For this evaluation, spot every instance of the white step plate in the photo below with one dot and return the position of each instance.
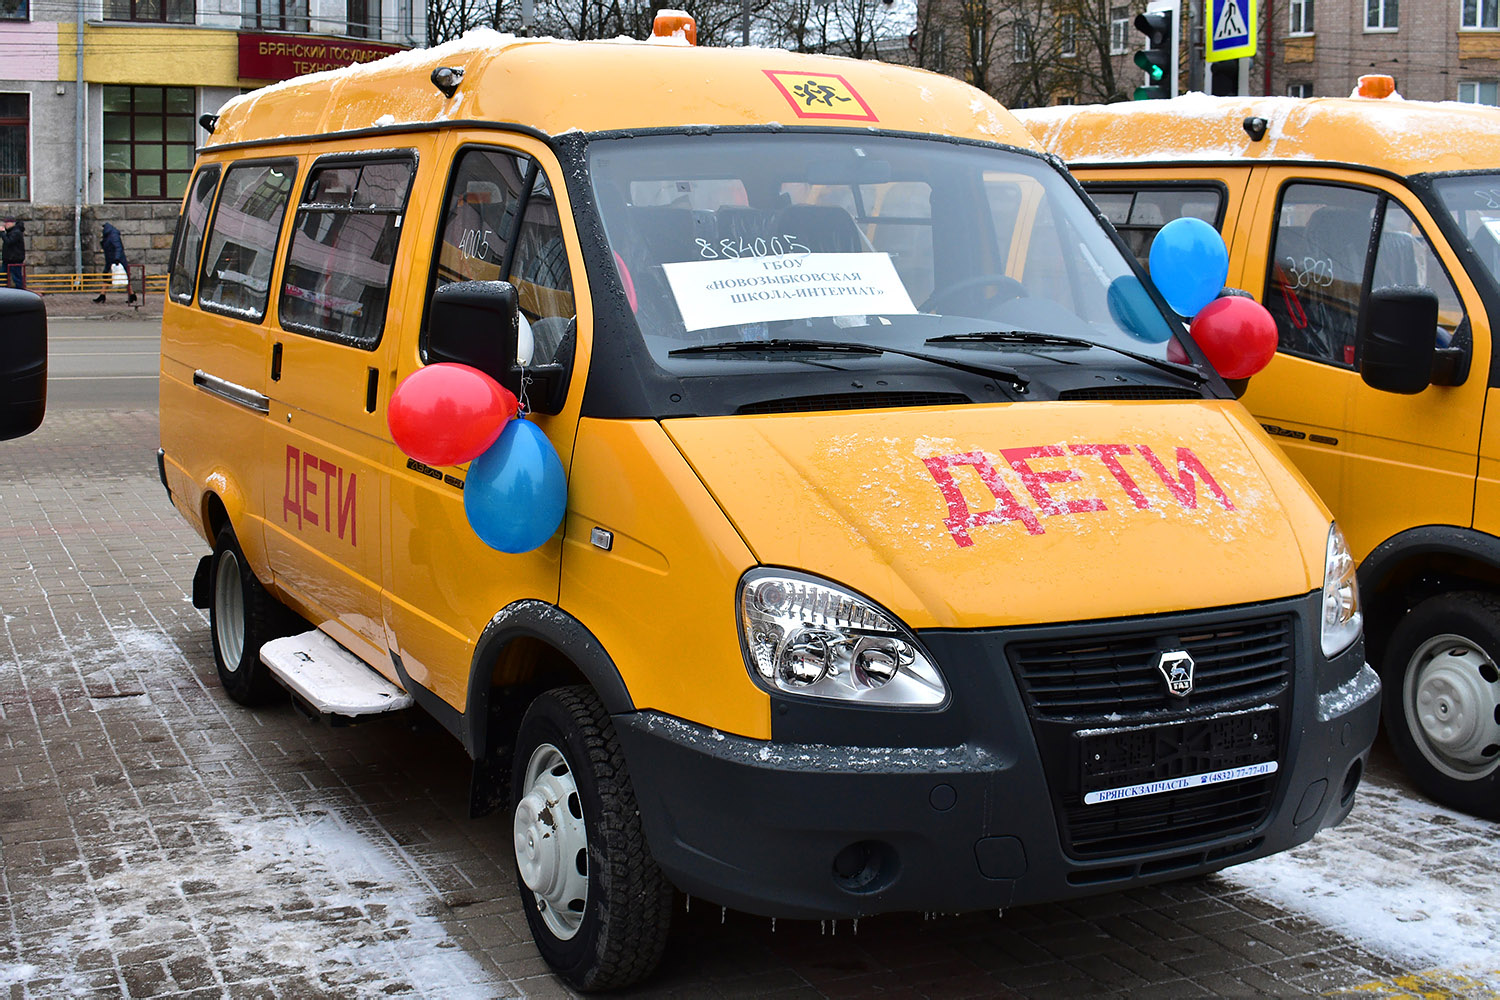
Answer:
(329, 677)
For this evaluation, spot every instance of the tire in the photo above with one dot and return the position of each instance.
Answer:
(1441, 672)
(242, 617)
(599, 908)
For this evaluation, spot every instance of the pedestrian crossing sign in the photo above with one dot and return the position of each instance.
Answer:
(1229, 30)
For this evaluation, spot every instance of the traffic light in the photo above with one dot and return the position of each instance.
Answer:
(1156, 58)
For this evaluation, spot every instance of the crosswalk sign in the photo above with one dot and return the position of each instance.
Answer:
(1229, 30)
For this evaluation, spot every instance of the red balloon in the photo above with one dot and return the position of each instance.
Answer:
(448, 414)
(1237, 334)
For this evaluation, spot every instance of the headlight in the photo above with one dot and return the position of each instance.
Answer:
(809, 637)
(1342, 619)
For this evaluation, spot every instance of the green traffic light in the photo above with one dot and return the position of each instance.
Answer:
(1152, 68)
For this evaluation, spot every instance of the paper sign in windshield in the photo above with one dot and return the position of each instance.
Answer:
(712, 293)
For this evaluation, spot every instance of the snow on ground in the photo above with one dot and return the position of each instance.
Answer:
(1401, 878)
(300, 892)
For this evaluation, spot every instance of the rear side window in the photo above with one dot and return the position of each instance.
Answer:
(236, 278)
(338, 269)
(1138, 213)
(188, 242)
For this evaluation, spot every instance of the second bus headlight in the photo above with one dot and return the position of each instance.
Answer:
(811, 637)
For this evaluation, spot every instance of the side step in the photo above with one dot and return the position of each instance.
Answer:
(330, 680)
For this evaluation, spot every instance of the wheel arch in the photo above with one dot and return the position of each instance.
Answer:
(1415, 564)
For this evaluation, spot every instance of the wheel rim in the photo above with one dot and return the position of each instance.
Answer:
(551, 841)
(1451, 697)
(229, 611)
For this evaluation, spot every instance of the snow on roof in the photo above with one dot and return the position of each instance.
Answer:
(1398, 135)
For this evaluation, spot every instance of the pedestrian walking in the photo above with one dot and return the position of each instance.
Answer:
(114, 261)
(13, 234)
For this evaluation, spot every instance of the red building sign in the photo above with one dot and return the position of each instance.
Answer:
(280, 57)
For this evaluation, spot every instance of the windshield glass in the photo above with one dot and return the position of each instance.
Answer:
(1473, 200)
(886, 241)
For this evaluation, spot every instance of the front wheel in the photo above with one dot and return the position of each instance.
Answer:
(598, 906)
(1442, 699)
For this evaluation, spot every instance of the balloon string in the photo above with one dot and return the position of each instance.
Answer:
(523, 405)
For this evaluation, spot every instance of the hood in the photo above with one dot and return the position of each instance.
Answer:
(1019, 513)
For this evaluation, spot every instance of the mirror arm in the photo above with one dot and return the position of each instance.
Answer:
(1450, 365)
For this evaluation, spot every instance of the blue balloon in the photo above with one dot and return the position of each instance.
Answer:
(1189, 264)
(516, 490)
(1136, 311)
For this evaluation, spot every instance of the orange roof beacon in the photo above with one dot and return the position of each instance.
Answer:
(766, 465)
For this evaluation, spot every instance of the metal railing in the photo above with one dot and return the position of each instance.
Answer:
(93, 282)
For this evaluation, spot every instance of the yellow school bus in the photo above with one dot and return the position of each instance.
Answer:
(1370, 228)
(911, 558)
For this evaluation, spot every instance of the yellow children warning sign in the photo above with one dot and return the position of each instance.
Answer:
(821, 95)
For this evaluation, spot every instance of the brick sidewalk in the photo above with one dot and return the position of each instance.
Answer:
(157, 839)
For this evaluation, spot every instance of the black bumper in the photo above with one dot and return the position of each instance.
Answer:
(824, 827)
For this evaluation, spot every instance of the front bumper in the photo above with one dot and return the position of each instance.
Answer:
(834, 824)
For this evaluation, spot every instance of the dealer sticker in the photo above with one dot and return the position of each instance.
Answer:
(722, 292)
(1178, 784)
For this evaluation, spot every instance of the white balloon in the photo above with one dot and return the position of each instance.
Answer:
(525, 342)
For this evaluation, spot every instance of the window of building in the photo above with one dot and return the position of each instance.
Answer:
(1382, 15)
(1137, 213)
(1023, 47)
(1479, 92)
(1067, 35)
(364, 18)
(15, 147)
(338, 268)
(501, 221)
(170, 11)
(188, 241)
(1302, 17)
(1481, 14)
(279, 15)
(236, 276)
(148, 142)
(1119, 30)
(1299, 90)
(15, 10)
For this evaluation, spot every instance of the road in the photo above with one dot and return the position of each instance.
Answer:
(102, 363)
(158, 840)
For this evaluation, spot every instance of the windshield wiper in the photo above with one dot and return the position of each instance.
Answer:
(1015, 378)
(1045, 339)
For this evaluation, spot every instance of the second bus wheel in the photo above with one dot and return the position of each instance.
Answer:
(1442, 699)
(242, 617)
(598, 906)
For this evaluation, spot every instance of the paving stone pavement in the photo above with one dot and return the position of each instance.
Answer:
(158, 840)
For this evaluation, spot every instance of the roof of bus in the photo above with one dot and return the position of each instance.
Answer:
(558, 86)
(1405, 137)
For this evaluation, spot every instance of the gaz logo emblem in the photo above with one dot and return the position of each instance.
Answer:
(1176, 669)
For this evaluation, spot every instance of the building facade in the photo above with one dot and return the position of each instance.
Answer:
(100, 101)
(1437, 50)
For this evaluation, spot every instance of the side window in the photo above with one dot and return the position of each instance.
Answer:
(189, 239)
(1404, 256)
(1317, 269)
(236, 276)
(539, 270)
(343, 250)
(501, 222)
(1138, 213)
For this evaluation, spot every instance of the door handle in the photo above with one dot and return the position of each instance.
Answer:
(372, 383)
(276, 362)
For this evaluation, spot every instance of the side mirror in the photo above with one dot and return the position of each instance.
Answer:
(477, 323)
(1399, 340)
(23, 362)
